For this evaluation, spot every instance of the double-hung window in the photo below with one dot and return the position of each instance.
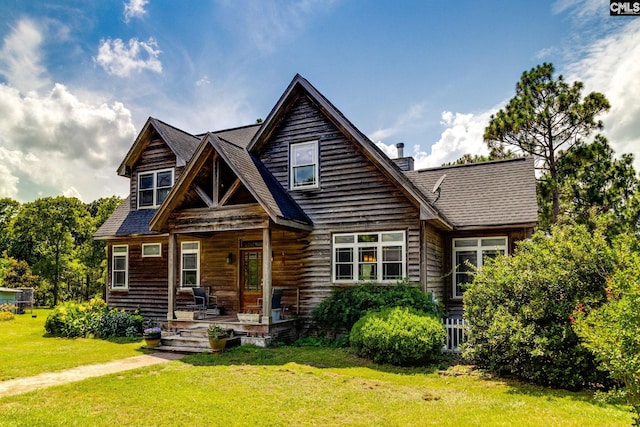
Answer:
(379, 257)
(153, 187)
(303, 165)
(470, 254)
(119, 266)
(190, 265)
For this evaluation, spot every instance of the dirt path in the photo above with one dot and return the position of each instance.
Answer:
(23, 385)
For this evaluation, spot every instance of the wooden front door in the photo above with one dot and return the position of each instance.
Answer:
(250, 278)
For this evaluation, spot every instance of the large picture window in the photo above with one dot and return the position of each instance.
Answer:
(119, 266)
(153, 187)
(471, 253)
(303, 163)
(379, 257)
(190, 265)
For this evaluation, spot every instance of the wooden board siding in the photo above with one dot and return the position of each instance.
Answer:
(155, 156)
(353, 196)
(147, 280)
(435, 255)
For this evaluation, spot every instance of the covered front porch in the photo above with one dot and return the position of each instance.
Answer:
(240, 260)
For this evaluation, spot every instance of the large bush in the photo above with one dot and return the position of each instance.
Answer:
(398, 335)
(347, 305)
(73, 320)
(520, 308)
(612, 331)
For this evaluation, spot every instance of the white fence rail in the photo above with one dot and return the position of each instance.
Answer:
(456, 334)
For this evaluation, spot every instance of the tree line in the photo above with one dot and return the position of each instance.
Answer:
(48, 245)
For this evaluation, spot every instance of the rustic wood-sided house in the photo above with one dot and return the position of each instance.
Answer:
(301, 202)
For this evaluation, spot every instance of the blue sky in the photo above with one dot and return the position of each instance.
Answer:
(78, 79)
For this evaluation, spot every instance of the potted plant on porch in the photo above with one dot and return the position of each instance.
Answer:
(152, 336)
(217, 338)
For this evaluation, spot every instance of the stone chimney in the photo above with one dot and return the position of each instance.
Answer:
(404, 163)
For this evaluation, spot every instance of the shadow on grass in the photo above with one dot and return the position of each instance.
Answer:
(325, 357)
(317, 357)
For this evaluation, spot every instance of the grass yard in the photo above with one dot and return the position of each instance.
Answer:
(271, 387)
(25, 351)
(301, 387)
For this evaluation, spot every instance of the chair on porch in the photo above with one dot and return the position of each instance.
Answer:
(203, 301)
(276, 303)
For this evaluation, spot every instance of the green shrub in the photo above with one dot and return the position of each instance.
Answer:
(612, 331)
(117, 323)
(93, 318)
(347, 305)
(6, 312)
(71, 319)
(520, 308)
(398, 335)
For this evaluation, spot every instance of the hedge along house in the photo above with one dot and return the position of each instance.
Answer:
(302, 202)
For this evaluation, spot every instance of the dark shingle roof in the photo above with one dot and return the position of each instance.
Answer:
(182, 143)
(125, 222)
(498, 193)
(259, 181)
(239, 136)
(111, 226)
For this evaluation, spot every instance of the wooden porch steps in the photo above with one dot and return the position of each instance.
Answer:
(190, 340)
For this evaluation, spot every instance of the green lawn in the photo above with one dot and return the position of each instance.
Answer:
(26, 351)
(296, 387)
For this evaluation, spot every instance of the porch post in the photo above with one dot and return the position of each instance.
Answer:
(266, 276)
(171, 275)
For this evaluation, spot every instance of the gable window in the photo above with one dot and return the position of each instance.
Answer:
(303, 161)
(472, 253)
(190, 265)
(151, 250)
(153, 187)
(379, 257)
(119, 266)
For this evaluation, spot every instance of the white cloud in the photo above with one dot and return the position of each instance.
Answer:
(57, 143)
(611, 66)
(121, 60)
(134, 9)
(463, 134)
(20, 57)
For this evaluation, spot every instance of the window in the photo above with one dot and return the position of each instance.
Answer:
(151, 250)
(119, 266)
(379, 257)
(303, 163)
(153, 187)
(190, 266)
(470, 253)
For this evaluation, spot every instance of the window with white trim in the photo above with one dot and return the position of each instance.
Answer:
(151, 250)
(153, 187)
(303, 165)
(379, 257)
(190, 265)
(470, 254)
(119, 266)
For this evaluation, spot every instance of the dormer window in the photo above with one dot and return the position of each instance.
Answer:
(303, 161)
(153, 187)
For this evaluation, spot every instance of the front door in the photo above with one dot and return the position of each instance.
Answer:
(250, 276)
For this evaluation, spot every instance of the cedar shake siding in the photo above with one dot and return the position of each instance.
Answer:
(353, 196)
